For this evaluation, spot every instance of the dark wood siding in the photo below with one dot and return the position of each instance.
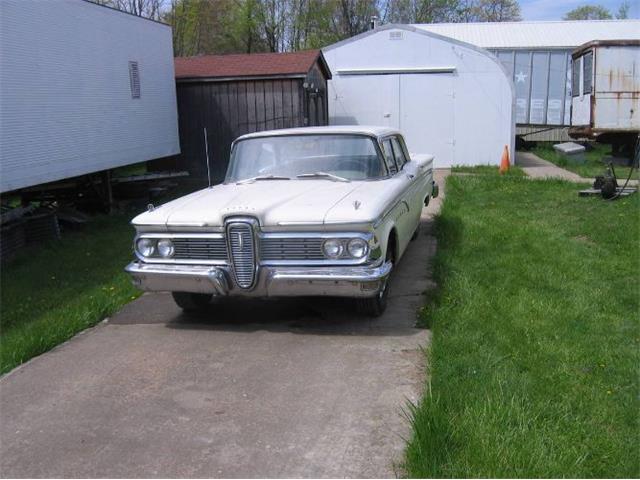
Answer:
(228, 110)
(232, 108)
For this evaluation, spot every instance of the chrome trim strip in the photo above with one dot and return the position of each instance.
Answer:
(180, 235)
(273, 282)
(355, 274)
(339, 235)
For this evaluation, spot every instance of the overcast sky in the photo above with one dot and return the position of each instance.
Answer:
(555, 9)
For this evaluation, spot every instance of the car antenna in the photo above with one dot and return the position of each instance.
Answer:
(206, 151)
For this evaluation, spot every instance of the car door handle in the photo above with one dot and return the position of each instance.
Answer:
(410, 176)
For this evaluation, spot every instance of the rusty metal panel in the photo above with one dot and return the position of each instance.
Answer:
(618, 69)
(609, 97)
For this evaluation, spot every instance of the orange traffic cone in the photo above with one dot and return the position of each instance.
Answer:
(504, 162)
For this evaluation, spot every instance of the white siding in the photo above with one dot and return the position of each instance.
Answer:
(532, 35)
(463, 115)
(66, 107)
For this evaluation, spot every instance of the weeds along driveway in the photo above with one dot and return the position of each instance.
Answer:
(253, 389)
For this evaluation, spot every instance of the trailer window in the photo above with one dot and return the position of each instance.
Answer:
(587, 74)
(575, 77)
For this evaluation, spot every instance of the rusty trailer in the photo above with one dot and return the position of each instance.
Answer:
(605, 105)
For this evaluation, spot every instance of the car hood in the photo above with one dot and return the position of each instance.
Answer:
(273, 203)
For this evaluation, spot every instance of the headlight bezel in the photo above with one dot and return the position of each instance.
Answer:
(162, 244)
(343, 248)
(335, 242)
(355, 243)
(151, 244)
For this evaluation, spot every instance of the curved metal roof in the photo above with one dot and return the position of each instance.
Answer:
(556, 34)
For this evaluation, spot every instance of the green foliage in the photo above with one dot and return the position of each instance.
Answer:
(246, 26)
(588, 12)
(54, 291)
(487, 170)
(534, 362)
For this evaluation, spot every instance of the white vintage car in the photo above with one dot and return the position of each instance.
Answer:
(319, 211)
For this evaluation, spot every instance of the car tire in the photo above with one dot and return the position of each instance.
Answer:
(192, 302)
(375, 306)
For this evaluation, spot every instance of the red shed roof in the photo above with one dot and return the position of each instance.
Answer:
(249, 65)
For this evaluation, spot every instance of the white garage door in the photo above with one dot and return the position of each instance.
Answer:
(421, 106)
(365, 100)
(427, 115)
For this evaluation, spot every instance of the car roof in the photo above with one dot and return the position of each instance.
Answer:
(372, 131)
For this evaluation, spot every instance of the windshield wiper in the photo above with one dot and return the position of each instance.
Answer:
(262, 177)
(328, 176)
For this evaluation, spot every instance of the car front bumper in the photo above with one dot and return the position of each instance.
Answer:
(348, 281)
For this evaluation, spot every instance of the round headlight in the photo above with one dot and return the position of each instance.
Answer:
(146, 246)
(357, 247)
(332, 248)
(165, 248)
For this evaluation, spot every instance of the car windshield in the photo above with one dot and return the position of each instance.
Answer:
(326, 157)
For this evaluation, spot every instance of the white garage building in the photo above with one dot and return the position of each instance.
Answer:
(449, 98)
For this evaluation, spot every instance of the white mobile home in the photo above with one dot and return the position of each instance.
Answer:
(83, 88)
(449, 98)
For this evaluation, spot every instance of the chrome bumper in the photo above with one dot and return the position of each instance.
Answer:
(348, 281)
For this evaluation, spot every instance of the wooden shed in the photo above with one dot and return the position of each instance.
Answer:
(232, 95)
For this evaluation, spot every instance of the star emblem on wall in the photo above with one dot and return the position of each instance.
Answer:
(521, 76)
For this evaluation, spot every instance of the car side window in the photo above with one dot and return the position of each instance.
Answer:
(388, 157)
(401, 158)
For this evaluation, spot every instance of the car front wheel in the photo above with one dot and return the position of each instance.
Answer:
(375, 306)
(192, 302)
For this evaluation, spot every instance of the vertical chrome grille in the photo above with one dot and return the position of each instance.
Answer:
(242, 253)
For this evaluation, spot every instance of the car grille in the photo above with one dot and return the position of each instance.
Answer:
(291, 249)
(200, 249)
(242, 253)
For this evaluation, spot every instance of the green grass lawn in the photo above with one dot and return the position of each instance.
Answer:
(593, 165)
(534, 362)
(487, 169)
(56, 290)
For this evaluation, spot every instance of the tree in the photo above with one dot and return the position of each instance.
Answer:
(422, 11)
(623, 10)
(152, 9)
(588, 12)
(496, 11)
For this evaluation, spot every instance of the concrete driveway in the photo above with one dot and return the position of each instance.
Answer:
(287, 388)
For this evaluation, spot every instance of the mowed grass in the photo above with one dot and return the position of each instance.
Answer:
(592, 166)
(53, 291)
(487, 169)
(534, 361)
